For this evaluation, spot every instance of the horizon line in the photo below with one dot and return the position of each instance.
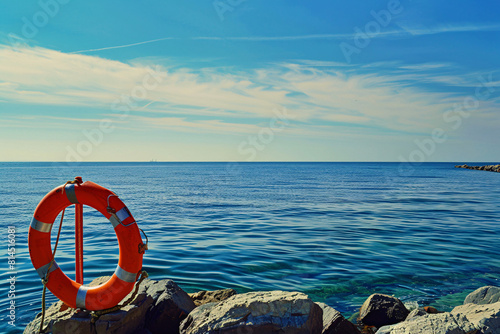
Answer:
(246, 162)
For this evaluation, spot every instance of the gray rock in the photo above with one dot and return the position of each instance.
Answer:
(204, 297)
(171, 306)
(441, 323)
(485, 318)
(485, 295)
(386, 329)
(381, 310)
(335, 323)
(196, 318)
(257, 313)
(158, 308)
(464, 319)
(415, 313)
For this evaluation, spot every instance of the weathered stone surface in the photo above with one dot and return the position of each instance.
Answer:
(415, 313)
(485, 295)
(257, 313)
(386, 329)
(204, 297)
(335, 323)
(196, 318)
(381, 310)
(464, 319)
(158, 308)
(442, 323)
(171, 306)
(484, 317)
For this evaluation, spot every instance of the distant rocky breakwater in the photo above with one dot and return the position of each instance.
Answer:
(489, 168)
(163, 307)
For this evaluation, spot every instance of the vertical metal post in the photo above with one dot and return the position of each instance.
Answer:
(79, 243)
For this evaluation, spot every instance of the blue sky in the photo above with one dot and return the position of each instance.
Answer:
(252, 80)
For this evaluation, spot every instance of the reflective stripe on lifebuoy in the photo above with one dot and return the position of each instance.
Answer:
(129, 242)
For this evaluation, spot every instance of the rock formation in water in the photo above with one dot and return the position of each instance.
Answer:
(489, 168)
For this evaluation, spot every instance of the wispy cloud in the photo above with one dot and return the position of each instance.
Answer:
(214, 126)
(125, 45)
(274, 38)
(219, 38)
(218, 100)
(426, 66)
(56, 118)
(444, 29)
(404, 32)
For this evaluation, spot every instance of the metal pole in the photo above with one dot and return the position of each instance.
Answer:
(79, 243)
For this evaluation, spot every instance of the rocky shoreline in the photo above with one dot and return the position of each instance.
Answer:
(489, 168)
(163, 307)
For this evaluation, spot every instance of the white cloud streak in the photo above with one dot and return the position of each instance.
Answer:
(125, 45)
(323, 98)
(404, 32)
(449, 29)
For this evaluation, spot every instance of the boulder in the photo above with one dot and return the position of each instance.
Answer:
(464, 319)
(171, 306)
(381, 310)
(485, 295)
(485, 318)
(158, 307)
(204, 297)
(258, 313)
(415, 313)
(441, 323)
(335, 323)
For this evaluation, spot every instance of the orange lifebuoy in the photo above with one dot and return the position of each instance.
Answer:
(130, 245)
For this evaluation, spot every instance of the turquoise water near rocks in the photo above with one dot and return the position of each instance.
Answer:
(336, 231)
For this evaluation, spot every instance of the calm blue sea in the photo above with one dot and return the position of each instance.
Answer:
(336, 231)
